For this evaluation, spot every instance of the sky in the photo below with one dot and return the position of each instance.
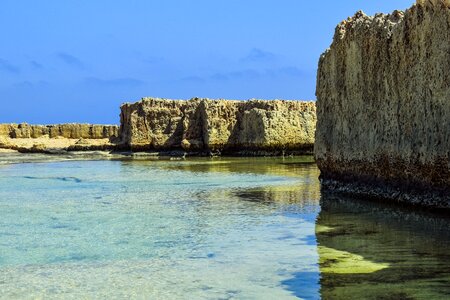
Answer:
(78, 60)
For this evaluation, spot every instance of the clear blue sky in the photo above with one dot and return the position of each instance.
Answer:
(77, 61)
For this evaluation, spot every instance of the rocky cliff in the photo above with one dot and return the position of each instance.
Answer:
(253, 127)
(383, 105)
(47, 138)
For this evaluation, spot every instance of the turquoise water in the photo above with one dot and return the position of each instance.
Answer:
(206, 229)
(210, 229)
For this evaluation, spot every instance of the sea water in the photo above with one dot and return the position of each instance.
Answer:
(206, 229)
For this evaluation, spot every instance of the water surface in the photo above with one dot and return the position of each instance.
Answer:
(207, 229)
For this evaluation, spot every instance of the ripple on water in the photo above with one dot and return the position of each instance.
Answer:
(210, 229)
(157, 229)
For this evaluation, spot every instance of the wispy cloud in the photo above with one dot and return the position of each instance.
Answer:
(248, 74)
(193, 79)
(6, 66)
(70, 60)
(152, 60)
(259, 55)
(23, 84)
(35, 65)
(285, 71)
(122, 82)
(240, 74)
(29, 84)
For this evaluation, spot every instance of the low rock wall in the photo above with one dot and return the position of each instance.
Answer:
(69, 131)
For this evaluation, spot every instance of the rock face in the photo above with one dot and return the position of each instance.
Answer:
(383, 105)
(70, 131)
(253, 127)
(46, 138)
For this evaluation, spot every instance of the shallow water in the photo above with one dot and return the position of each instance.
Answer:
(207, 229)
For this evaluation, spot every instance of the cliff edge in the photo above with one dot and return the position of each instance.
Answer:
(383, 106)
(254, 127)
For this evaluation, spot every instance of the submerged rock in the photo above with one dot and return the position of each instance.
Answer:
(251, 127)
(383, 105)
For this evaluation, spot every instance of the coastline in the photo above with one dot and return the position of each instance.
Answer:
(66, 146)
(15, 157)
(194, 127)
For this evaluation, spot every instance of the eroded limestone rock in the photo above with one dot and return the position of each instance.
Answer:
(227, 126)
(70, 131)
(48, 138)
(383, 105)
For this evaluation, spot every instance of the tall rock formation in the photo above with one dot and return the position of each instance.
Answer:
(254, 127)
(383, 105)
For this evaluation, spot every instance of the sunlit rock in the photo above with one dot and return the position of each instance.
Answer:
(226, 126)
(44, 138)
(383, 105)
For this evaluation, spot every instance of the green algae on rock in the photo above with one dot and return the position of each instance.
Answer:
(383, 105)
(343, 262)
(254, 127)
(391, 252)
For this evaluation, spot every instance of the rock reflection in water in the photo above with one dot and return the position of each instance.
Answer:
(305, 191)
(374, 251)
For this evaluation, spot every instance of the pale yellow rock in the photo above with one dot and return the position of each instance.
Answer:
(7, 151)
(41, 138)
(45, 143)
(218, 125)
(74, 130)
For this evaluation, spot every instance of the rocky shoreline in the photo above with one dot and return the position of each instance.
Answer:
(180, 128)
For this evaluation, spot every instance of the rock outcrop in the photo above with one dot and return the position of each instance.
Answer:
(253, 127)
(69, 131)
(383, 105)
(51, 138)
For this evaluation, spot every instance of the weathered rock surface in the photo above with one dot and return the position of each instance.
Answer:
(70, 131)
(383, 105)
(48, 138)
(253, 127)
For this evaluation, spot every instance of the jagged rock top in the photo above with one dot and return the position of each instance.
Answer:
(360, 23)
(157, 99)
(151, 102)
(218, 125)
(383, 24)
